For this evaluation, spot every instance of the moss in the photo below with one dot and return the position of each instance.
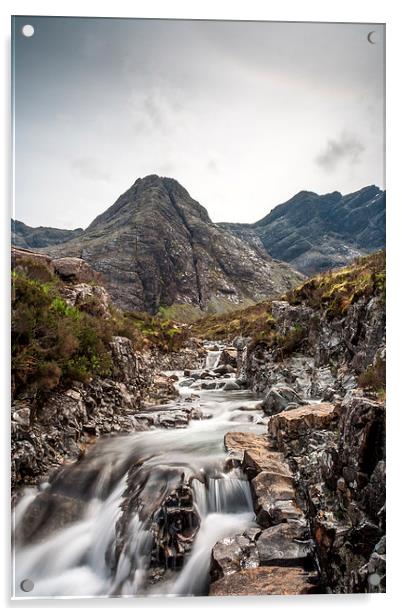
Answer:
(374, 377)
(333, 292)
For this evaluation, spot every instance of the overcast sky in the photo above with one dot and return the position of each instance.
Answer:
(244, 115)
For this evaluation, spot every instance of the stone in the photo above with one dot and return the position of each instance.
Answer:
(232, 554)
(295, 423)
(274, 498)
(362, 437)
(73, 269)
(280, 398)
(286, 545)
(253, 448)
(265, 581)
(231, 386)
(22, 416)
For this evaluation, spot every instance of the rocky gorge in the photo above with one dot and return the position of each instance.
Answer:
(250, 459)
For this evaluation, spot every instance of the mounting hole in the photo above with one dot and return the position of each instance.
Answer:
(27, 585)
(28, 30)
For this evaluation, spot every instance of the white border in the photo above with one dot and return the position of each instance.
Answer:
(380, 11)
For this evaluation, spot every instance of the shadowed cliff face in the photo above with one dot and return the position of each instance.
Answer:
(156, 247)
(316, 232)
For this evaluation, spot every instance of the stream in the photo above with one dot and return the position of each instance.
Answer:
(141, 512)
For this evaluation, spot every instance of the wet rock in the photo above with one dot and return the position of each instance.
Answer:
(232, 554)
(187, 382)
(280, 398)
(286, 545)
(46, 514)
(265, 581)
(231, 386)
(208, 385)
(228, 358)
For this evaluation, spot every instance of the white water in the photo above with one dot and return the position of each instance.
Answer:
(73, 561)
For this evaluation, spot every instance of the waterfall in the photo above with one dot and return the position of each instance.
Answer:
(212, 359)
(148, 508)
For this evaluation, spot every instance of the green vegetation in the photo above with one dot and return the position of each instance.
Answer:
(374, 377)
(330, 294)
(55, 343)
(334, 291)
(52, 341)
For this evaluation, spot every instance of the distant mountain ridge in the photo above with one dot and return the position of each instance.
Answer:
(157, 247)
(315, 232)
(24, 236)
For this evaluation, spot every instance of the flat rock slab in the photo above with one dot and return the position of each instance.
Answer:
(284, 545)
(264, 581)
(257, 457)
(292, 424)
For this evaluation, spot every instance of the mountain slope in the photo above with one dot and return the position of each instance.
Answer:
(316, 232)
(156, 247)
(24, 236)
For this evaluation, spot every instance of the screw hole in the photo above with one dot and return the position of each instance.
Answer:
(28, 30)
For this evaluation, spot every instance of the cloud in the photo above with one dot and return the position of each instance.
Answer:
(90, 168)
(348, 148)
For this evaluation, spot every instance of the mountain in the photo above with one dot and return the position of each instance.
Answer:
(317, 232)
(39, 237)
(157, 247)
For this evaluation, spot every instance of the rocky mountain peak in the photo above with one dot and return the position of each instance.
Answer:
(156, 246)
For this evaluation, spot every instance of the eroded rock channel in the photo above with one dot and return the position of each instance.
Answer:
(215, 495)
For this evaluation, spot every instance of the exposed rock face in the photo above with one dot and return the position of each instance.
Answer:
(330, 357)
(156, 246)
(39, 237)
(338, 455)
(320, 470)
(286, 542)
(68, 420)
(349, 226)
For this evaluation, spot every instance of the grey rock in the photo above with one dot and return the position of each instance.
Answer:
(280, 398)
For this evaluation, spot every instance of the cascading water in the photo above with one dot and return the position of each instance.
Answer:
(212, 359)
(140, 513)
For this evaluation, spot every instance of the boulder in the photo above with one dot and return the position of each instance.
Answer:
(362, 438)
(274, 498)
(286, 545)
(253, 449)
(299, 422)
(73, 269)
(231, 386)
(280, 398)
(232, 554)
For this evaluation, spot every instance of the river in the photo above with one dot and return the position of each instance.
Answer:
(151, 505)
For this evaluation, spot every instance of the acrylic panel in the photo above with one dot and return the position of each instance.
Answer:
(198, 308)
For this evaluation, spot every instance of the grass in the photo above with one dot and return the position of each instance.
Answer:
(330, 294)
(334, 291)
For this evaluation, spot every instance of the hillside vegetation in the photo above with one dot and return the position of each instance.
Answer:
(54, 342)
(330, 293)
